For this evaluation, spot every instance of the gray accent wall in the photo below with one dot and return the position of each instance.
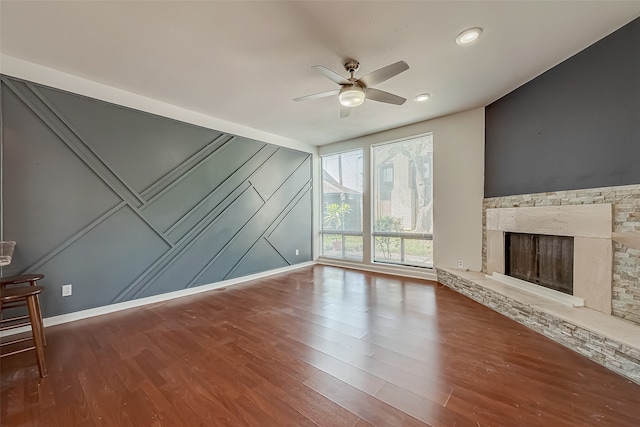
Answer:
(576, 126)
(124, 204)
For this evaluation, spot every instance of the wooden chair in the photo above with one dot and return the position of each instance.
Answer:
(28, 294)
(18, 321)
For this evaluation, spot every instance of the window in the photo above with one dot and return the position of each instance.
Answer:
(403, 213)
(342, 205)
(386, 181)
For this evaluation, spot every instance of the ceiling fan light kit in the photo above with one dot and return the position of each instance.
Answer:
(353, 91)
(351, 96)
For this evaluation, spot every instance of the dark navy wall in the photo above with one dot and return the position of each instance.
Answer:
(124, 204)
(575, 126)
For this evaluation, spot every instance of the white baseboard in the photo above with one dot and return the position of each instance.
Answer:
(98, 311)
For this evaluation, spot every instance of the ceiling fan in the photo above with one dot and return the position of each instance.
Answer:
(353, 92)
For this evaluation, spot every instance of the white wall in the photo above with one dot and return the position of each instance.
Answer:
(458, 175)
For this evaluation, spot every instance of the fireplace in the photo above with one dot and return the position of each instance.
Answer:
(540, 259)
(588, 226)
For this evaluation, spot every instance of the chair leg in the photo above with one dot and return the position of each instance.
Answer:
(38, 333)
(35, 283)
(44, 338)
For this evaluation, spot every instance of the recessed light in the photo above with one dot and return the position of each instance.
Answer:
(469, 36)
(422, 97)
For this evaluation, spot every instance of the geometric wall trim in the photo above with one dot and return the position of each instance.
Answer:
(125, 204)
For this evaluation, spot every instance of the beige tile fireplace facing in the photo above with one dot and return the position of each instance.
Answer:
(625, 199)
(590, 226)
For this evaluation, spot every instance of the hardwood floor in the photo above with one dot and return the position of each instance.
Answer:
(319, 346)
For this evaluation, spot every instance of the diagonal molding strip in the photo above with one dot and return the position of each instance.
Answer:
(184, 175)
(279, 215)
(146, 279)
(42, 261)
(72, 138)
(84, 153)
(183, 168)
(261, 153)
(270, 244)
(304, 191)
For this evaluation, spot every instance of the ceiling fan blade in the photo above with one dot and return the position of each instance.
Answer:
(331, 75)
(318, 95)
(384, 73)
(344, 111)
(382, 96)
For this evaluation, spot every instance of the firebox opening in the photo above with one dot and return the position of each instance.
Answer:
(544, 260)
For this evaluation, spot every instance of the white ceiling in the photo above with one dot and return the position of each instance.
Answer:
(245, 61)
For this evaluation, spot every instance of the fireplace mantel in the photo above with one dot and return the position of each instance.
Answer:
(590, 226)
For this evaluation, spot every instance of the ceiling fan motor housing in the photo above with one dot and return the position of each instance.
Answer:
(351, 66)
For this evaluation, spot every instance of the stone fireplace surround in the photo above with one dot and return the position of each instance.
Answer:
(589, 225)
(609, 331)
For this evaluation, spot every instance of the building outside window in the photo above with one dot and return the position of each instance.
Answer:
(342, 183)
(403, 202)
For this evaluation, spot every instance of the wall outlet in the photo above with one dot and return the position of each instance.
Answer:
(297, 251)
(460, 263)
(66, 290)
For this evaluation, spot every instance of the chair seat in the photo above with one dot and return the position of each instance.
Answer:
(15, 294)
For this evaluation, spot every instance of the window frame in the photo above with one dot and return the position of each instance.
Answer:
(372, 204)
(366, 144)
(323, 203)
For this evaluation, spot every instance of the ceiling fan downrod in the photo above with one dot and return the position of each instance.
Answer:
(351, 66)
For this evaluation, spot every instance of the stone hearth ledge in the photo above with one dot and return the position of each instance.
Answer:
(613, 343)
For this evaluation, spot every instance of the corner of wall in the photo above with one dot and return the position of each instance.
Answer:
(458, 145)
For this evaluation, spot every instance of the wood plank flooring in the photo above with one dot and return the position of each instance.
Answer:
(320, 346)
